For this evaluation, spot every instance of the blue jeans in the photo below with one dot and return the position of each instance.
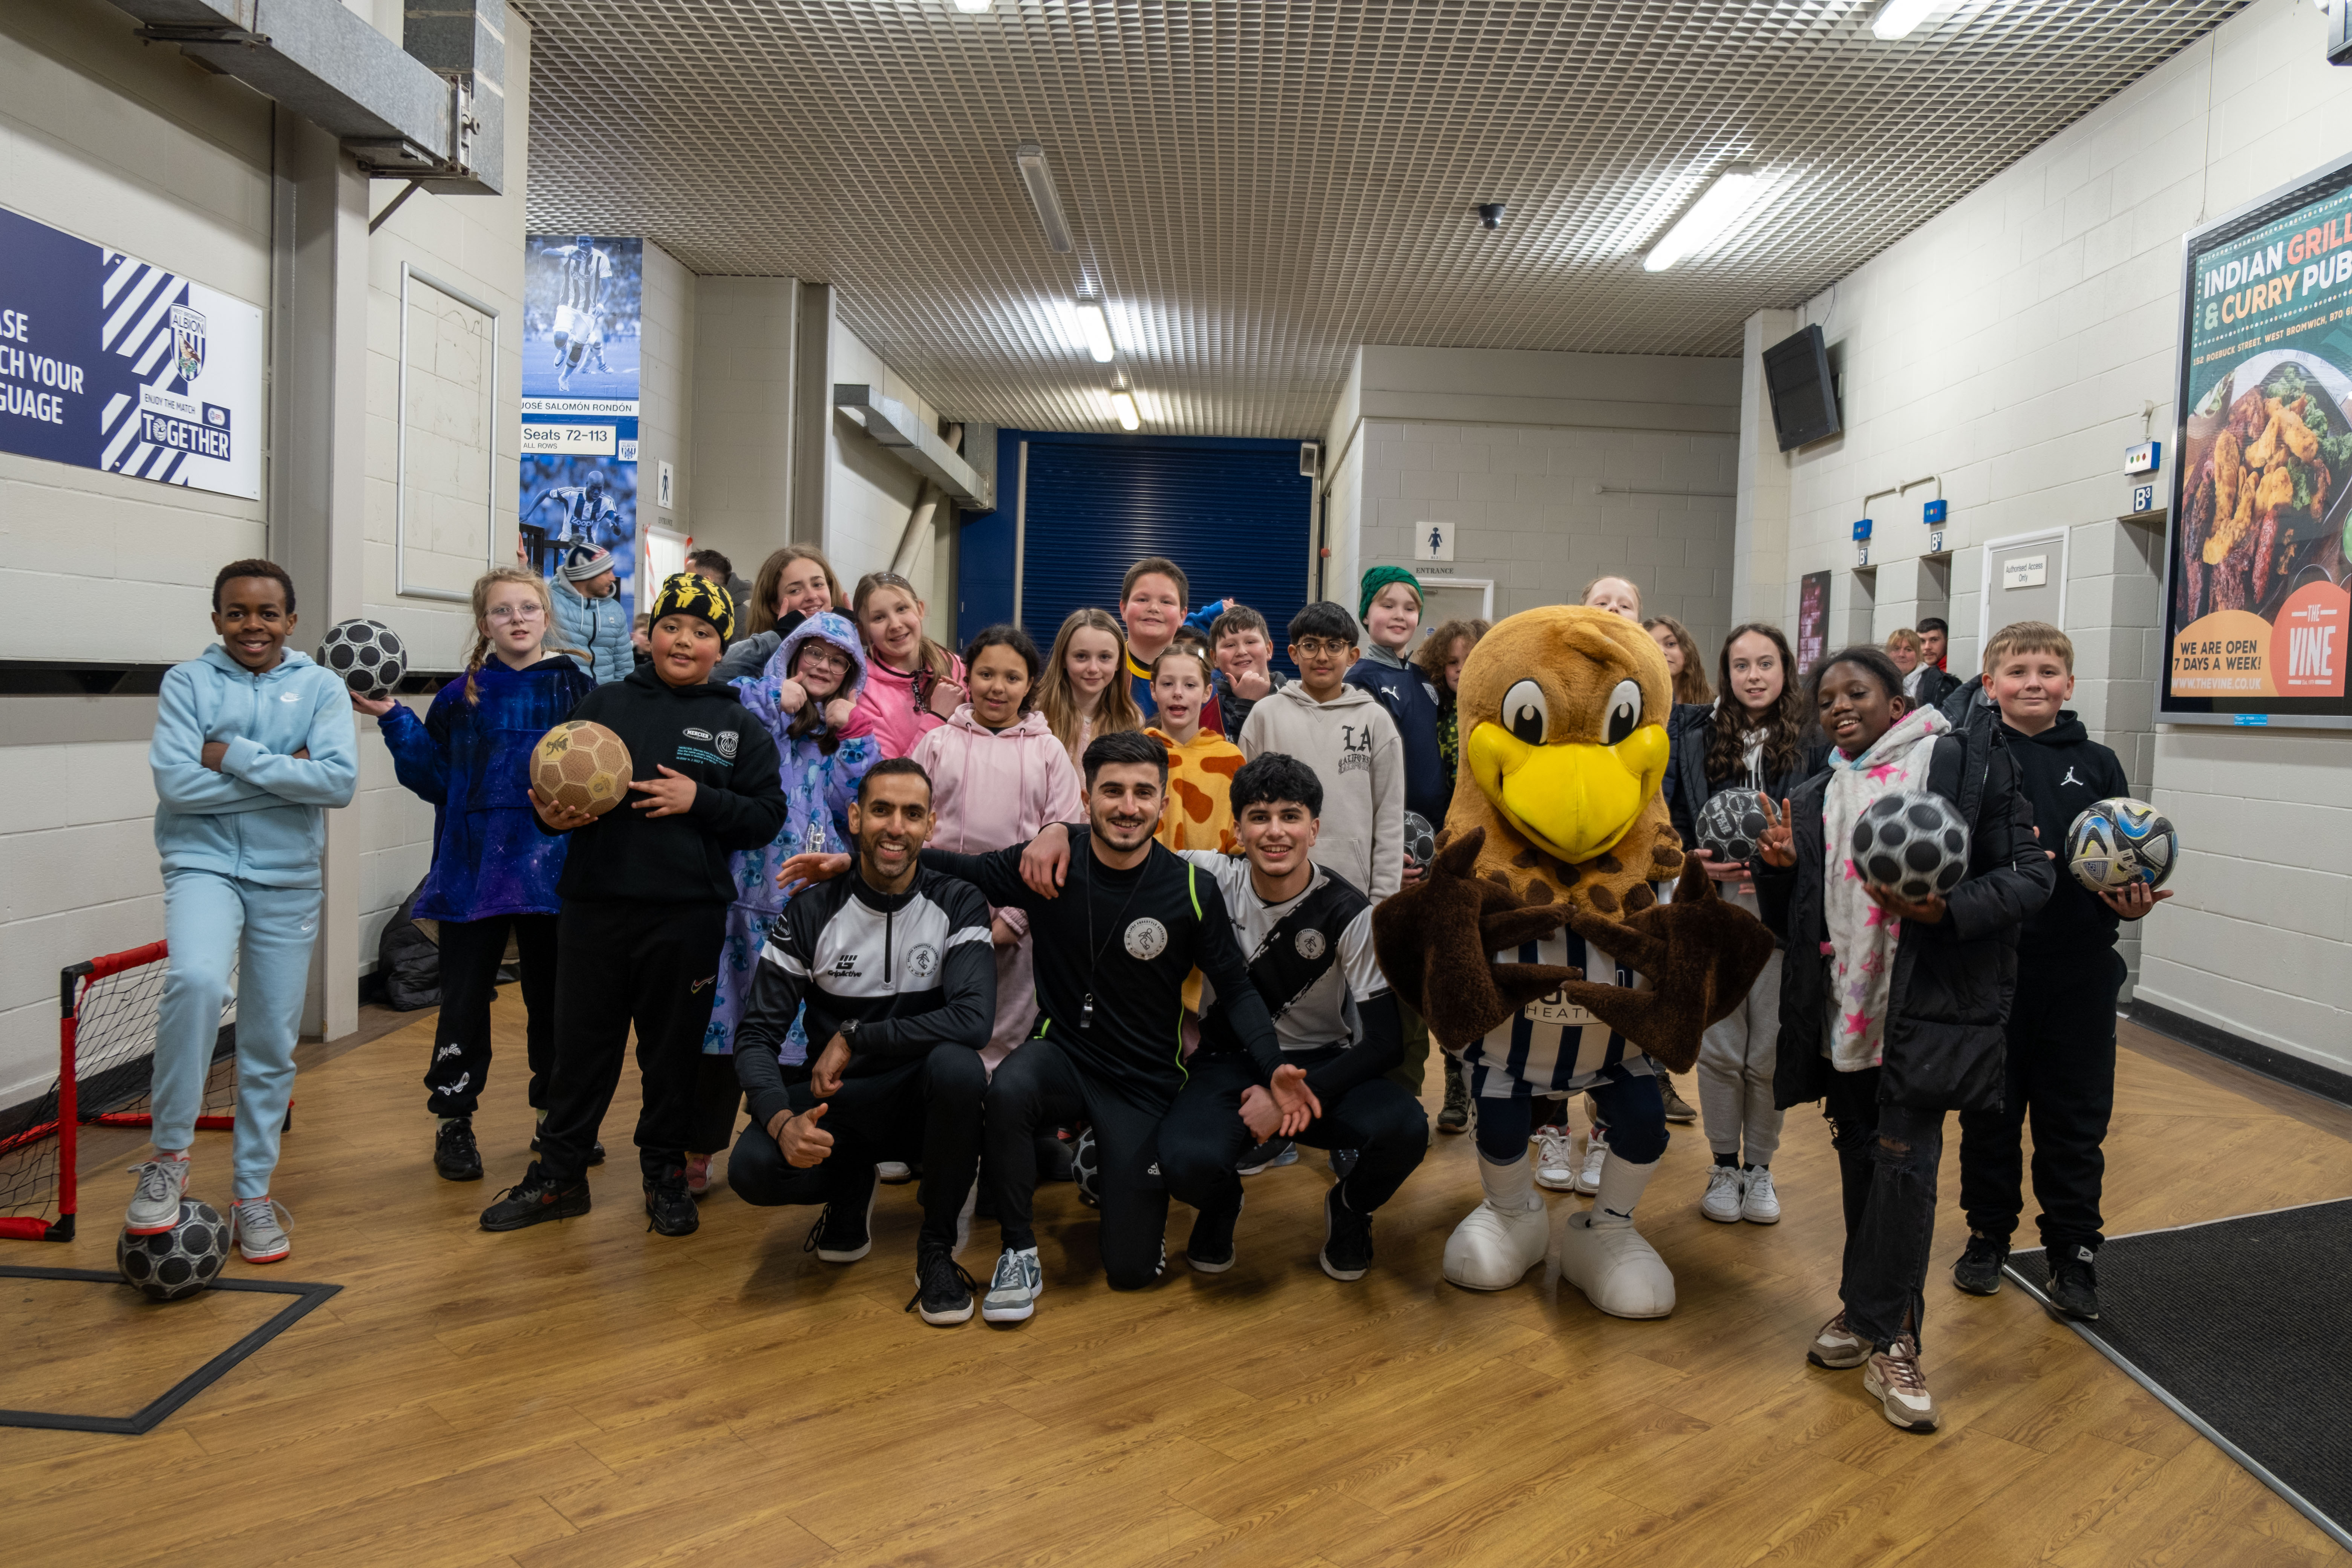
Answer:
(211, 923)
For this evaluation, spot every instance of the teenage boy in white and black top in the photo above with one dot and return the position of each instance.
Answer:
(1114, 946)
(1308, 935)
(894, 966)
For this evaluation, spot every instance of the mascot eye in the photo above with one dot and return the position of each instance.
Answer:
(1624, 710)
(1525, 713)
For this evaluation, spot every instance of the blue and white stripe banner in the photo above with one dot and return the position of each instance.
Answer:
(108, 362)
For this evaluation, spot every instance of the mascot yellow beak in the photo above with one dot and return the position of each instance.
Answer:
(1573, 799)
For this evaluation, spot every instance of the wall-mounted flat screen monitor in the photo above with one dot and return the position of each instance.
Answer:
(1804, 398)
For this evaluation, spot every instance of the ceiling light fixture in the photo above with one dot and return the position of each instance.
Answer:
(1123, 404)
(972, 7)
(1896, 18)
(1094, 327)
(1029, 160)
(1490, 215)
(1721, 205)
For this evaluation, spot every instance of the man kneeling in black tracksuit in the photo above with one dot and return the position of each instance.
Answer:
(1308, 937)
(894, 964)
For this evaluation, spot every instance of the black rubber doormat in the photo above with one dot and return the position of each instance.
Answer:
(2242, 1326)
(306, 1299)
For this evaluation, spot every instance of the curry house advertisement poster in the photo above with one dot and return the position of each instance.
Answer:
(2257, 584)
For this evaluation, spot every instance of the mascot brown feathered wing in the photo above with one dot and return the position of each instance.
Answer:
(1538, 944)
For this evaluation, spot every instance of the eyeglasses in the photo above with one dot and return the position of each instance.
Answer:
(505, 613)
(825, 658)
(1317, 647)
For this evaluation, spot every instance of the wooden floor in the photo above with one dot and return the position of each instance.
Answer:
(590, 1393)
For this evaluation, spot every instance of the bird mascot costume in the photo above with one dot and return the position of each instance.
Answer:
(1562, 943)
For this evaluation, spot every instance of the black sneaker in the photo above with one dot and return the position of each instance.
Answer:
(2075, 1284)
(1267, 1156)
(455, 1153)
(1456, 1117)
(537, 1196)
(1211, 1248)
(670, 1207)
(1346, 1236)
(943, 1290)
(844, 1232)
(1978, 1270)
(596, 1150)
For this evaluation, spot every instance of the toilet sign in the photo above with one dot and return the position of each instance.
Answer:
(1433, 541)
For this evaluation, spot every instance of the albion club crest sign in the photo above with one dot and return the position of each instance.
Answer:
(108, 362)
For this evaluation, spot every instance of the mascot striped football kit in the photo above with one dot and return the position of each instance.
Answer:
(1545, 945)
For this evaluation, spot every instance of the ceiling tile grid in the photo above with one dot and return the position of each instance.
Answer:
(1257, 188)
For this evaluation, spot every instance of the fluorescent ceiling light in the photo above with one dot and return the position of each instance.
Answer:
(1123, 404)
(972, 7)
(1029, 160)
(1898, 18)
(1094, 327)
(1720, 206)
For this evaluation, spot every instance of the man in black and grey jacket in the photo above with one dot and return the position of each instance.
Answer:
(894, 966)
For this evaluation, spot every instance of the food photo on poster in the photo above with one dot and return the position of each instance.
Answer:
(2258, 584)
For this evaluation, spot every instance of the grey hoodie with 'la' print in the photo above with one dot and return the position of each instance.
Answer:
(1352, 744)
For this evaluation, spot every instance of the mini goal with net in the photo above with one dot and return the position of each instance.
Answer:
(106, 1063)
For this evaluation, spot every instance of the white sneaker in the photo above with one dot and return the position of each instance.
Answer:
(156, 1204)
(259, 1226)
(1762, 1204)
(1013, 1293)
(1556, 1159)
(1596, 1150)
(894, 1173)
(1723, 1193)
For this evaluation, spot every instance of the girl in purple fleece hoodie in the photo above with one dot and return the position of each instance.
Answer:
(998, 775)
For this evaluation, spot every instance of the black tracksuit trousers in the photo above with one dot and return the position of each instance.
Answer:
(471, 952)
(1040, 1086)
(2061, 1077)
(655, 966)
(1203, 1136)
(925, 1110)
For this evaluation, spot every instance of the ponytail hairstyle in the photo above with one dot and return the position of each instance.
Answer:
(763, 608)
(1115, 713)
(1785, 724)
(1023, 646)
(937, 664)
(551, 643)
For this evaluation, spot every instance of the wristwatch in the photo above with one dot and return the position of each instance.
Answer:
(847, 1029)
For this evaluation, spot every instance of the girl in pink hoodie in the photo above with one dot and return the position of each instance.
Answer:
(912, 684)
(997, 776)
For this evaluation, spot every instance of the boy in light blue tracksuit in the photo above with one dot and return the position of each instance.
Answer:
(252, 742)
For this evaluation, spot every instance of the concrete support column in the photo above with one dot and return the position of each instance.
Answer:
(812, 416)
(1759, 558)
(746, 457)
(317, 453)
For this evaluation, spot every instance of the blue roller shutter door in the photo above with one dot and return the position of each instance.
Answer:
(1236, 519)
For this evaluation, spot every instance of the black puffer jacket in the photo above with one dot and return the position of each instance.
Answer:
(1686, 788)
(1953, 980)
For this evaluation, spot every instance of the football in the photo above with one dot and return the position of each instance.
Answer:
(1419, 840)
(583, 765)
(366, 655)
(177, 1262)
(1730, 824)
(2117, 842)
(1911, 845)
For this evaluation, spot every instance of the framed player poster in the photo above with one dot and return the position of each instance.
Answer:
(583, 302)
(1812, 620)
(2257, 584)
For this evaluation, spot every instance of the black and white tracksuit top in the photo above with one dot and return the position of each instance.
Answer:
(914, 970)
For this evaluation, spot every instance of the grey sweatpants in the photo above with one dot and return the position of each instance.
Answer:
(1735, 1074)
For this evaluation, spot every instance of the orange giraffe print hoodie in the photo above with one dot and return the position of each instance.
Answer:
(1200, 810)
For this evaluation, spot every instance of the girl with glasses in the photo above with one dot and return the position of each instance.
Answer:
(493, 873)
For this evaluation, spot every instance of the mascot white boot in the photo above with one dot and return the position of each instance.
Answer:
(1603, 1256)
(1502, 1238)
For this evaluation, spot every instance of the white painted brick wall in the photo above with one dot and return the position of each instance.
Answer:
(2009, 345)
